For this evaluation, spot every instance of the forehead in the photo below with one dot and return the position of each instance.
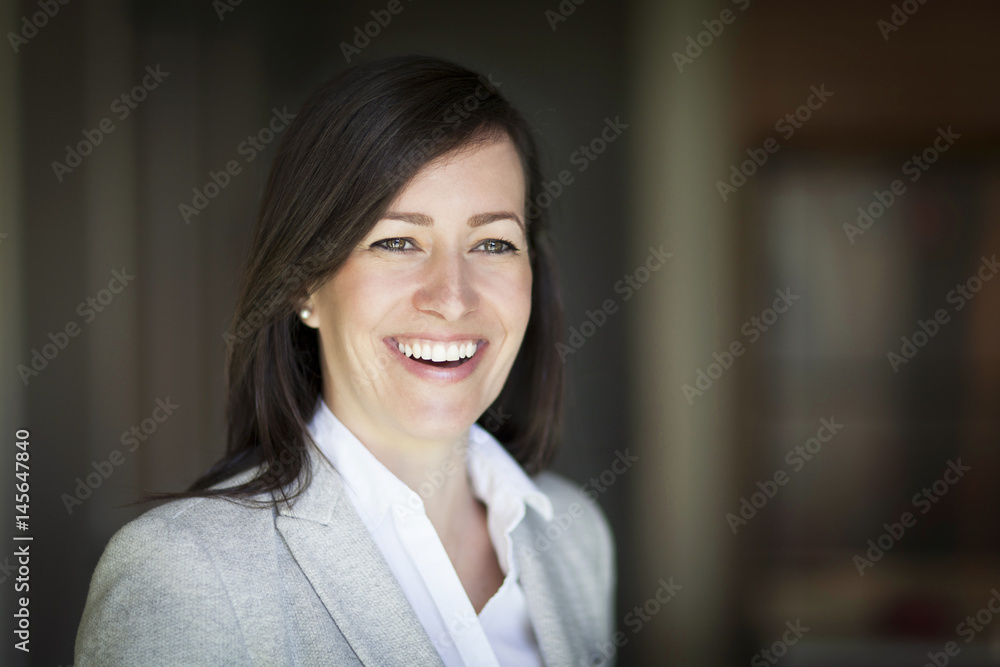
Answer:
(492, 169)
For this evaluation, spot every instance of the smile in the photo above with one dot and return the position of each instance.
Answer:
(437, 352)
(440, 360)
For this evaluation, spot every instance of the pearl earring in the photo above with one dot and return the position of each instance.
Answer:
(305, 313)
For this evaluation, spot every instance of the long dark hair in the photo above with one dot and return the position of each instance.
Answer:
(348, 152)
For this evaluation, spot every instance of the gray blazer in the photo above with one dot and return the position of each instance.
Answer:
(215, 582)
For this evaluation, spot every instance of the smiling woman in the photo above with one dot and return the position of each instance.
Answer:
(446, 267)
(371, 507)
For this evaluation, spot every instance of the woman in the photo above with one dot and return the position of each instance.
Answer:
(394, 398)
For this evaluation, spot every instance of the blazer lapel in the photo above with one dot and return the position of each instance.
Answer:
(543, 598)
(349, 574)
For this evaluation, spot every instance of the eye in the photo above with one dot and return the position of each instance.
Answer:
(392, 245)
(498, 246)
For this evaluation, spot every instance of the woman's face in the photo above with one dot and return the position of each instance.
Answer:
(445, 273)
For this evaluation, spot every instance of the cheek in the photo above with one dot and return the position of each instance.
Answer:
(526, 296)
(516, 297)
(353, 299)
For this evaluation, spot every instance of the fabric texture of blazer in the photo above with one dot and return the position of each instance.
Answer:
(209, 581)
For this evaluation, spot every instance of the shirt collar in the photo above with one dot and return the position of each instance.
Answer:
(496, 477)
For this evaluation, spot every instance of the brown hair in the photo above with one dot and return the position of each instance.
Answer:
(348, 152)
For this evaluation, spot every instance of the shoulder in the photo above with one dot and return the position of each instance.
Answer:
(578, 522)
(161, 586)
(156, 576)
(577, 550)
(175, 532)
(569, 499)
(189, 529)
(205, 520)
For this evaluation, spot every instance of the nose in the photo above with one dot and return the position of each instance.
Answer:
(446, 288)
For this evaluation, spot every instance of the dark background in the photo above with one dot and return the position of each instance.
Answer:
(826, 358)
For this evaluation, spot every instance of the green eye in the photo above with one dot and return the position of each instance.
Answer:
(498, 246)
(392, 245)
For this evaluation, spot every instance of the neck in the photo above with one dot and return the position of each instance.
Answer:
(439, 476)
(434, 470)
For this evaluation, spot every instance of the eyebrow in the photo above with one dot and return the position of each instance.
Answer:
(477, 220)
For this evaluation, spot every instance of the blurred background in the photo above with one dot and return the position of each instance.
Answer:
(810, 381)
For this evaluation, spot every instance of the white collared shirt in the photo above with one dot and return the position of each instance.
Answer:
(501, 634)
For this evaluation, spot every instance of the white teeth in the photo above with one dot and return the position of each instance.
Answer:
(438, 352)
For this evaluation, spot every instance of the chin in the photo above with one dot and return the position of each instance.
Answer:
(433, 424)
